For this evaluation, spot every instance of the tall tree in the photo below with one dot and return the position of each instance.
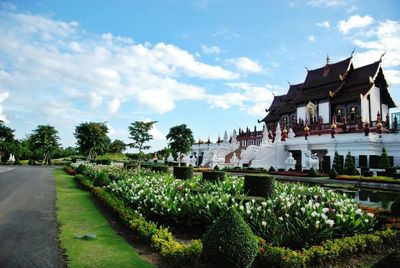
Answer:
(45, 139)
(92, 138)
(181, 140)
(7, 142)
(117, 147)
(140, 135)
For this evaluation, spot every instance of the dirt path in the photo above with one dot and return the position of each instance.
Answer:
(28, 227)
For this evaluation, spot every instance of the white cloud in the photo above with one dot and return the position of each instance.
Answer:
(354, 22)
(114, 106)
(327, 3)
(311, 38)
(324, 24)
(3, 96)
(393, 76)
(94, 100)
(246, 65)
(211, 50)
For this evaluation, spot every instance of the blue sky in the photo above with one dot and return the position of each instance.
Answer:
(213, 65)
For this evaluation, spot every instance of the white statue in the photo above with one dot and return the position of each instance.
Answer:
(193, 161)
(234, 160)
(170, 158)
(311, 161)
(291, 133)
(11, 158)
(290, 162)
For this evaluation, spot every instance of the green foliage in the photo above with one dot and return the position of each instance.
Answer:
(333, 173)
(101, 179)
(349, 167)
(213, 176)
(181, 140)
(337, 163)
(117, 147)
(159, 168)
(45, 139)
(312, 172)
(8, 144)
(140, 135)
(395, 208)
(271, 169)
(230, 242)
(80, 169)
(390, 260)
(384, 161)
(216, 168)
(259, 185)
(183, 173)
(92, 138)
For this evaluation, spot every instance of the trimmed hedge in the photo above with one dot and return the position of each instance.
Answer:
(329, 252)
(160, 168)
(312, 173)
(259, 185)
(183, 173)
(230, 242)
(213, 176)
(362, 161)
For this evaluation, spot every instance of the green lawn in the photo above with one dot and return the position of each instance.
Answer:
(77, 215)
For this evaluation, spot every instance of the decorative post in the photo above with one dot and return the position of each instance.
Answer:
(379, 126)
(387, 121)
(344, 123)
(306, 131)
(366, 128)
(284, 133)
(333, 127)
(395, 124)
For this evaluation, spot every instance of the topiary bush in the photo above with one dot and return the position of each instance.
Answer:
(349, 167)
(333, 173)
(213, 175)
(160, 168)
(312, 172)
(384, 161)
(271, 169)
(106, 162)
(80, 169)
(395, 208)
(216, 168)
(101, 179)
(259, 185)
(338, 163)
(230, 242)
(183, 173)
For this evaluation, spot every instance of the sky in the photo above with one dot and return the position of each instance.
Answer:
(212, 65)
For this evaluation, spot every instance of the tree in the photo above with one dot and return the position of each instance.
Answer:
(384, 162)
(45, 139)
(140, 135)
(181, 140)
(337, 163)
(117, 147)
(92, 138)
(7, 142)
(349, 167)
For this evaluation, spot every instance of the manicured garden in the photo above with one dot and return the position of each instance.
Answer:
(291, 226)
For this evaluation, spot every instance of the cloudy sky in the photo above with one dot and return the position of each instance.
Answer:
(213, 65)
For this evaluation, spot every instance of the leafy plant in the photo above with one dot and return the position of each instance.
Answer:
(312, 172)
(349, 167)
(384, 161)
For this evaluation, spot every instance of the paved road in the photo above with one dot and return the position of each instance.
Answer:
(28, 227)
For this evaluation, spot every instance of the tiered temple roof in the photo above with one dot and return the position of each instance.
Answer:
(339, 82)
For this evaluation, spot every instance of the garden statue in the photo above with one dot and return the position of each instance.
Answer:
(311, 160)
(234, 160)
(170, 158)
(193, 161)
(291, 133)
(290, 162)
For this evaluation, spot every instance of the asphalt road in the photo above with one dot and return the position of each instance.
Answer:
(28, 227)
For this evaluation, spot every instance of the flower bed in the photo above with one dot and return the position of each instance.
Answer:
(379, 179)
(176, 254)
(298, 216)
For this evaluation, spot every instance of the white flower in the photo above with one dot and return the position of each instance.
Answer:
(370, 215)
(264, 204)
(325, 210)
(366, 220)
(264, 223)
(248, 212)
(303, 210)
(280, 218)
(314, 214)
(241, 207)
(330, 222)
(259, 208)
(358, 211)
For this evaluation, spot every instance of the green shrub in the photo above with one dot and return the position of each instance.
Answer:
(31, 162)
(183, 173)
(271, 169)
(349, 167)
(216, 168)
(395, 208)
(230, 242)
(390, 260)
(160, 168)
(213, 176)
(101, 179)
(338, 163)
(390, 171)
(384, 161)
(333, 173)
(259, 185)
(105, 162)
(80, 169)
(312, 173)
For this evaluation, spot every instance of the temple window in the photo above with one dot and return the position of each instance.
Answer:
(353, 110)
(338, 115)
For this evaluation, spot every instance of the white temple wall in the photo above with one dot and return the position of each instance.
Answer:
(364, 109)
(385, 110)
(323, 109)
(375, 98)
(301, 112)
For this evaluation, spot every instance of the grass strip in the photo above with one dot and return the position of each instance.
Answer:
(77, 215)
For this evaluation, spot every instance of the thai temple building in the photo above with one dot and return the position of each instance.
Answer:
(337, 108)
